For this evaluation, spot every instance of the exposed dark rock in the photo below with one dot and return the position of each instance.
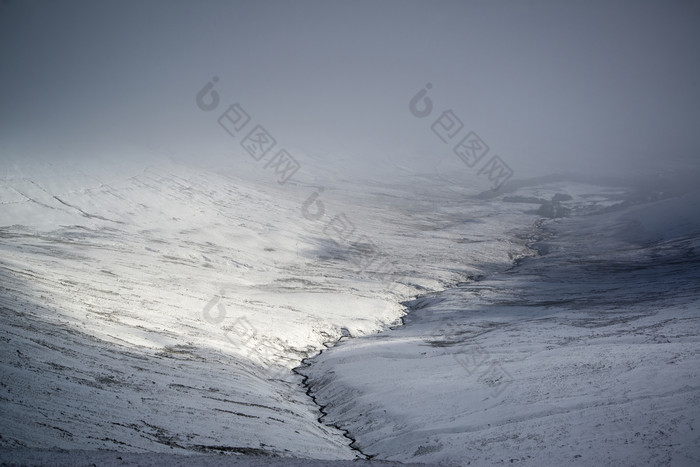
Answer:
(553, 210)
(561, 197)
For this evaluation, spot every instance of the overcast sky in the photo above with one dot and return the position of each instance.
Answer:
(544, 83)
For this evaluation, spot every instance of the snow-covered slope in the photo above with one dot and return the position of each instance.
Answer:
(153, 306)
(587, 355)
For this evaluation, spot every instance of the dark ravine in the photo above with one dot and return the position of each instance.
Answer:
(322, 408)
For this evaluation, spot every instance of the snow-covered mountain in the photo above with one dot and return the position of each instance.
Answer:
(154, 306)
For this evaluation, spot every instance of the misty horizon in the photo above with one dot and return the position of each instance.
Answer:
(550, 86)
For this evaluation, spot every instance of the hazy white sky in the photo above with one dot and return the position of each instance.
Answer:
(545, 83)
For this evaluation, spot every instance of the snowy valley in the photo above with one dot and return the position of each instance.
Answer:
(167, 308)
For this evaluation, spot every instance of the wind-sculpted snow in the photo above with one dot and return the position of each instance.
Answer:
(586, 355)
(161, 308)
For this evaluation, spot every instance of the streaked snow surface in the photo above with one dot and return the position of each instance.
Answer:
(158, 307)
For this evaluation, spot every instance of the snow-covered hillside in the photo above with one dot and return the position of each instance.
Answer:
(158, 307)
(586, 355)
(153, 306)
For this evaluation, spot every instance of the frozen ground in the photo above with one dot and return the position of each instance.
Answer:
(158, 308)
(587, 355)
